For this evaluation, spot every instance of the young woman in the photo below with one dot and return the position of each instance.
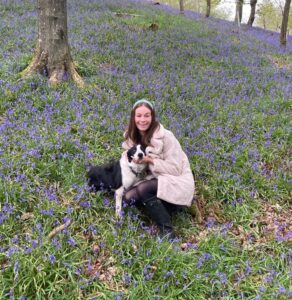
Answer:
(172, 182)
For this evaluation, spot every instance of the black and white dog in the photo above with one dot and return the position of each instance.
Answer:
(119, 175)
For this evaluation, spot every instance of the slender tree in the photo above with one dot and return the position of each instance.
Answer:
(267, 15)
(253, 4)
(208, 8)
(181, 7)
(52, 56)
(238, 12)
(283, 34)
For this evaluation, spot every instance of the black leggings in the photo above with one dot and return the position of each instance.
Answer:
(141, 192)
(146, 190)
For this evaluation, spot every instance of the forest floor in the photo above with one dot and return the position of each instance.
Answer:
(226, 94)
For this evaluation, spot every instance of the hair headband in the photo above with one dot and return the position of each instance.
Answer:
(143, 101)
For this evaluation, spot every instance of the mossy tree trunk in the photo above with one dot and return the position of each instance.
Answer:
(284, 26)
(253, 4)
(52, 56)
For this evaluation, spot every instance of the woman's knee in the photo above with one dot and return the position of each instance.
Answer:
(147, 189)
(131, 196)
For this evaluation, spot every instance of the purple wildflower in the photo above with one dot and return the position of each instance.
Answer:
(52, 259)
(71, 241)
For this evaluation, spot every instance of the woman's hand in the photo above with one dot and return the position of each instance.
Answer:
(145, 160)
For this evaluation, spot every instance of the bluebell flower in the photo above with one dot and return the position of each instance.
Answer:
(71, 241)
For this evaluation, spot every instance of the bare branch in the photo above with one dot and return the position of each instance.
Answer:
(58, 229)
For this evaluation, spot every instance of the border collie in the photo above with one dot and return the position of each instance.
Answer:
(119, 175)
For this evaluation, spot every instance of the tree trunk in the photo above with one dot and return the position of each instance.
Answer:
(52, 56)
(181, 7)
(238, 13)
(283, 35)
(253, 4)
(208, 9)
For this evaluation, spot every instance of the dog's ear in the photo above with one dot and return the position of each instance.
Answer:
(130, 154)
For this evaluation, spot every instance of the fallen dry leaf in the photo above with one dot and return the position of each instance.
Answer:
(26, 216)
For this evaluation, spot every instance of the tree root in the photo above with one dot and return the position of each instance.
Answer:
(39, 64)
(75, 76)
(34, 65)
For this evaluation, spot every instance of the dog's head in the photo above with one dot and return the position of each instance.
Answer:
(137, 152)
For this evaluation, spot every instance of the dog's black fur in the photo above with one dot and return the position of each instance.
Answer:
(109, 176)
(105, 177)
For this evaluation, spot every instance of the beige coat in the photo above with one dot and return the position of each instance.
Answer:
(171, 167)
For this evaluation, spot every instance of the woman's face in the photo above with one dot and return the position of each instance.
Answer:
(143, 118)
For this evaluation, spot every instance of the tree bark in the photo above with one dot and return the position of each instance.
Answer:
(238, 13)
(52, 56)
(208, 9)
(284, 26)
(253, 4)
(181, 7)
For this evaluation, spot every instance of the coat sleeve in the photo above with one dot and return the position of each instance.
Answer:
(171, 163)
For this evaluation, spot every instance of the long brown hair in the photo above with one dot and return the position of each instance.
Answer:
(134, 134)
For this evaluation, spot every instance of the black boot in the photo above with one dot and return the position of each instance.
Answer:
(160, 216)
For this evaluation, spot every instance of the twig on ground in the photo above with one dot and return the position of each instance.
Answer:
(59, 229)
(118, 14)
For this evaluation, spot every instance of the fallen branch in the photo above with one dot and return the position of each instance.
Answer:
(117, 14)
(59, 229)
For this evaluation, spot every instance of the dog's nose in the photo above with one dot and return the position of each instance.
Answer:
(140, 155)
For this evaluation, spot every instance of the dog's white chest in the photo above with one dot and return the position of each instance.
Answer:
(129, 178)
